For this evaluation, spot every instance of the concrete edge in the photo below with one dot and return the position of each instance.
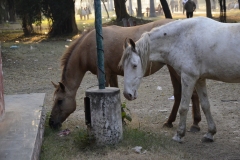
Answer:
(40, 136)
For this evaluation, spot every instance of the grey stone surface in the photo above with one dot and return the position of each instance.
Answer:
(21, 131)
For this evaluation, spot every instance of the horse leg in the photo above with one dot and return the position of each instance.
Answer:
(202, 93)
(177, 97)
(107, 79)
(113, 81)
(188, 84)
(196, 114)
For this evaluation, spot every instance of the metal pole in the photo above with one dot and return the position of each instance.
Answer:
(99, 39)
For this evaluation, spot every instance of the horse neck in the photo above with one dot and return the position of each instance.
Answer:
(72, 73)
(161, 43)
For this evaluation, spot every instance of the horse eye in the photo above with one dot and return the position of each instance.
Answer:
(59, 102)
(134, 66)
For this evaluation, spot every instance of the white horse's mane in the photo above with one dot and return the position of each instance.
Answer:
(142, 49)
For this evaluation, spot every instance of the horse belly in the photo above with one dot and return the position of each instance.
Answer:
(222, 64)
(225, 74)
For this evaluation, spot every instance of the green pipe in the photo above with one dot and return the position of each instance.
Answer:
(99, 40)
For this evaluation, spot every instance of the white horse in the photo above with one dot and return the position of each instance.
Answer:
(198, 49)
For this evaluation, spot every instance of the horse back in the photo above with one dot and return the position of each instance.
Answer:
(113, 39)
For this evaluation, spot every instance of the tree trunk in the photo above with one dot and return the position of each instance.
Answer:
(139, 9)
(208, 6)
(166, 9)
(105, 8)
(11, 9)
(26, 26)
(120, 9)
(63, 19)
(4, 11)
(222, 11)
(152, 9)
(130, 11)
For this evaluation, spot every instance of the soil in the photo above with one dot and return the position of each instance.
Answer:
(32, 66)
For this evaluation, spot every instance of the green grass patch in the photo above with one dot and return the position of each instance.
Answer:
(147, 140)
(79, 142)
(55, 147)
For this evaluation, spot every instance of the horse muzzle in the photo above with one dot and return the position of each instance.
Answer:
(53, 124)
(130, 96)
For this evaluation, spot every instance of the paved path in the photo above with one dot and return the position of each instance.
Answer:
(21, 131)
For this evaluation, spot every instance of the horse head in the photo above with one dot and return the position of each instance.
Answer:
(134, 67)
(64, 105)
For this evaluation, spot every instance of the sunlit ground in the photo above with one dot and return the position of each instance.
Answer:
(13, 32)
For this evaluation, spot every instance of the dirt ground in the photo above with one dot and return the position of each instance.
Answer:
(31, 67)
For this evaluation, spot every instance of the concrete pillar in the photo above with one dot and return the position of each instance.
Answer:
(104, 120)
(2, 105)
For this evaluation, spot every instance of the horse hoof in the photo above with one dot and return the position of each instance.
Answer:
(206, 140)
(177, 138)
(194, 128)
(168, 125)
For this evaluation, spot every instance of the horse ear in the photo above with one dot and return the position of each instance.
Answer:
(55, 85)
(125, 44)
(132, 43)
(62, 86)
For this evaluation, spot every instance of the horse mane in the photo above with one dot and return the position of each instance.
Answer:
(66, 56)
(142, 49)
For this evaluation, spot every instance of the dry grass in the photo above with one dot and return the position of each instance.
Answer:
(78, 146)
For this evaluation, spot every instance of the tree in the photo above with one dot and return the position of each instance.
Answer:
(11, 9)
(105, 8)
(222, 10)
(29, 11)
(62, 15)
(152, 9)
(139, 9)
(120, 9)
(3, 11)
(166, 9)
(7, 10)
(208, 6)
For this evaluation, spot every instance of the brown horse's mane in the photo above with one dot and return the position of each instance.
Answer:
(68, 52)
(66, 56)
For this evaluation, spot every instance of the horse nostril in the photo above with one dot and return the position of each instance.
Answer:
(130, 95)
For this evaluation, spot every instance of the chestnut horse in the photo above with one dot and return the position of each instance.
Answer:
(81, 57)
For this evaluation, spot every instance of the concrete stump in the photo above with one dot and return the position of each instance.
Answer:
(2, 105)
(103, 115)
